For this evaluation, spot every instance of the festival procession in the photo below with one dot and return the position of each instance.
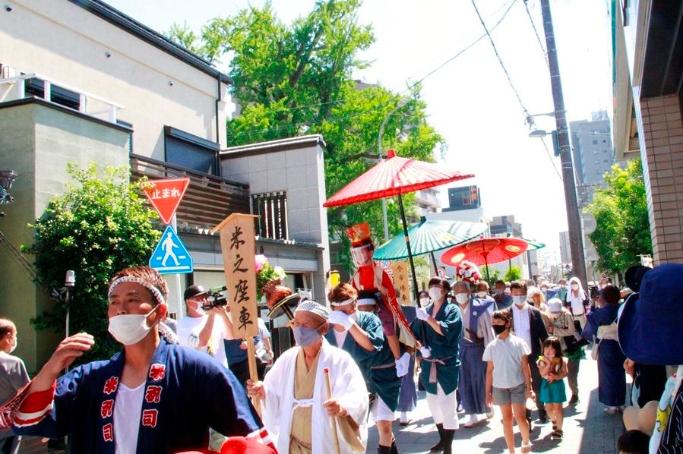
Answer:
(337, 227)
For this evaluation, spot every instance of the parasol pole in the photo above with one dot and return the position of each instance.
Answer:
(410, 252)
(436, 270)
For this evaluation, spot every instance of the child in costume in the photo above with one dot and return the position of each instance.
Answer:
(553, 369)
(370, 277)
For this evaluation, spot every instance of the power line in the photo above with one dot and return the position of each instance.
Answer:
(466, 48)
(538, 37)
(527, 115)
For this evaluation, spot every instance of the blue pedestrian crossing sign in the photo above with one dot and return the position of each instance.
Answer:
(170, 256)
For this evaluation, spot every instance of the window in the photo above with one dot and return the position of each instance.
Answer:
(189, 151)
(271, 209)
(58, 95)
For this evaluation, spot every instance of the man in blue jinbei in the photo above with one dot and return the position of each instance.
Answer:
(153, 397)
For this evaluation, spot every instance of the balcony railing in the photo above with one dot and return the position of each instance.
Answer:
(15, 84)
(208, 200)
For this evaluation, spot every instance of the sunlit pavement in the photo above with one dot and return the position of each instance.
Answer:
(586, 428)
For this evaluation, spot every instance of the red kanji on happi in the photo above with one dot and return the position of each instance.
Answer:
(153, 394)
(111, 384)
(149, 417)
(108, 432)
(106, 409)
(157, 371)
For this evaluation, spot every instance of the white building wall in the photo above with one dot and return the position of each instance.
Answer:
(63, 42)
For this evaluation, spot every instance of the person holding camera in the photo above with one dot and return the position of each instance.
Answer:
(204, 329)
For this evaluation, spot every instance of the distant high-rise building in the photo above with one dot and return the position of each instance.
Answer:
(505, 226)
(565, 248)
(593, 154)
(463, 198)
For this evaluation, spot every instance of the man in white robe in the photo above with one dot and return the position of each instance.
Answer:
(306, 424)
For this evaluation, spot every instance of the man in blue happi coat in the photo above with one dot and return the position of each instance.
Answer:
(153, 397)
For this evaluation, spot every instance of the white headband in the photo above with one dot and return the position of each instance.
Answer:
(342, 303)
(367, 302)
(155, 291)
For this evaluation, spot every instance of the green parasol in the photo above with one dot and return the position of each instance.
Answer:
(429, 236)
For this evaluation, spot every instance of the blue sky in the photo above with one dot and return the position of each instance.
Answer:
(469, 100)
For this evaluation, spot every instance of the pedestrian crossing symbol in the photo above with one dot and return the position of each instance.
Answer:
(170, 255)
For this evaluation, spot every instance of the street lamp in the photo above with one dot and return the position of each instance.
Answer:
(7, 177)
(402, 102)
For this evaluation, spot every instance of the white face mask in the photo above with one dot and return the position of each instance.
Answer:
(129, 329)
(14, 345)
(519, 300)
(481, 294)
(575, 286)
(435, 293)
(462, 298)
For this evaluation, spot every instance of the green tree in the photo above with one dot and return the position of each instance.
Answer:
(493, 275)
(514, 273)
(97, 227)
(622, 230)
(294, 79)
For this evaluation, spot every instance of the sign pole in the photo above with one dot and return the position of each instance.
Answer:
(179, 313)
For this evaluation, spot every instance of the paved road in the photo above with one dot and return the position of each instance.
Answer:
(586, 428)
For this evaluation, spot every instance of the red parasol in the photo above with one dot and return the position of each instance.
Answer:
(391, 177)
(484, 251)
(395, 176)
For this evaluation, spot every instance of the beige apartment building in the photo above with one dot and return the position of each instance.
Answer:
(82, 82)
(648, 99)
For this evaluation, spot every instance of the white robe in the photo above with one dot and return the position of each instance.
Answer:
(348, 386)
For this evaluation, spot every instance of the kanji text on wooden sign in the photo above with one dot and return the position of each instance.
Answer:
(238, 246)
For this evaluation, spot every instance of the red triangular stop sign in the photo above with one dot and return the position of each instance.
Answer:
(165, 196)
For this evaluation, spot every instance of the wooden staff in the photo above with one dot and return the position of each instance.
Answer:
(328, 384)
(253, 373)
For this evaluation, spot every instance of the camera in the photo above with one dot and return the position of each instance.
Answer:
(213, 297)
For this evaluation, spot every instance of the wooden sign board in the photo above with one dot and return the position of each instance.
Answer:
(238, 246)
(399, 272)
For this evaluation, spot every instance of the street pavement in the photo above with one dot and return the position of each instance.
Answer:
(586, 428)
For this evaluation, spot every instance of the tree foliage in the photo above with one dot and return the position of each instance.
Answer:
(514, 273)
(622, 230)
(296, 79)
(97, 227)
(492, 273)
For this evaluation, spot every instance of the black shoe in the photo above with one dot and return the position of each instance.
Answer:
(383, 449)
(439, 446)
(394, 449)
(531, 424)
(574, 400)
(448, 441)
(556, 435)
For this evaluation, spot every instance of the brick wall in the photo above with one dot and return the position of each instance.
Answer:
(663, 170)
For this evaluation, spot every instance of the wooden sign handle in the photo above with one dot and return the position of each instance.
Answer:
(328, 385)
(253, 372)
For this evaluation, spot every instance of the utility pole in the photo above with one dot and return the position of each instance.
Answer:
(573, 215)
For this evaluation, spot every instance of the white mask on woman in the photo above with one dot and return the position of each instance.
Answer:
(435, 293)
